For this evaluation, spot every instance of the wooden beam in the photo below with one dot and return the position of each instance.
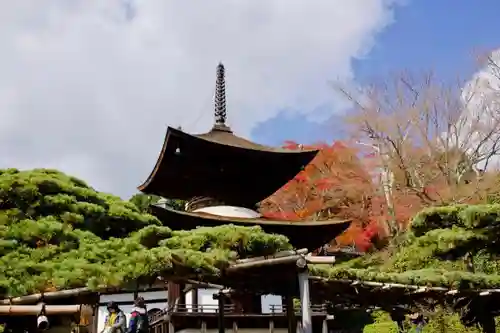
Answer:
(28, 310)
(201, 284)
(317, 260)
(276, 255)
(264, 262)
(34, 298)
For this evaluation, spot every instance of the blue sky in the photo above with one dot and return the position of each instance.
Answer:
(442, 36)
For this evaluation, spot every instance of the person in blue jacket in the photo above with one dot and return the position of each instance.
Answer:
(139, 317)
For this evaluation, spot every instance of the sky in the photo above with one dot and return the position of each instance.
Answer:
(89, 86)
(424, 36)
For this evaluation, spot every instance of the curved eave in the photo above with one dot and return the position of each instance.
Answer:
(311, 235)
(159, 161)
(230, 145)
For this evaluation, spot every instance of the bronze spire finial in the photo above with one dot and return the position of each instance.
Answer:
(220, 97)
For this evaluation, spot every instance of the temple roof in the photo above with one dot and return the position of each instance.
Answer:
(221, 165)
(307, 234)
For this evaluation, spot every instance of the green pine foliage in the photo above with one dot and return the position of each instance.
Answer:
(57, 232)
(434, 252)
(439, 321)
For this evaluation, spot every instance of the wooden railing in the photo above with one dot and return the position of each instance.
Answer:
(281, 308)
(204, 308)
(229, 309)
(154, 317)
(161, 322)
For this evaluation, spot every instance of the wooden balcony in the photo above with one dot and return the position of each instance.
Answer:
(205, 317)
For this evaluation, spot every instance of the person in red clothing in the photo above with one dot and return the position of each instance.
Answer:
(139, 317)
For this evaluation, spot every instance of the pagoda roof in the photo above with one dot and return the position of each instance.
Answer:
(306, 234)
(221, 165)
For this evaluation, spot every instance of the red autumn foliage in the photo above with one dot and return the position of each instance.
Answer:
(338, 183)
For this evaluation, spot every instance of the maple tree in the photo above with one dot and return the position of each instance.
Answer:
(337, 183)
(436, 144)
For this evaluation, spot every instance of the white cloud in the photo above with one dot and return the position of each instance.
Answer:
(89, 86)
(477, 130)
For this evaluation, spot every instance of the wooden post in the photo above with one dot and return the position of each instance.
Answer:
(194, 299)
(290, 314)
(220, 299)
(235, 327)
(271, 325)
(182, 299)
(305, 301)
(173, 291)
(488, 324)
(325, 326)
(203, 326)
(401, 326)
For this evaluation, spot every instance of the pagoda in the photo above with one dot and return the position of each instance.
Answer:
(223, 177)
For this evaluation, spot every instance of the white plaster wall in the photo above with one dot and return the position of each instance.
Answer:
(205, 297)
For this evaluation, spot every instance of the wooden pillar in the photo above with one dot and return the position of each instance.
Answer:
(290, 314)
(194, 299)
(136, 290)
(325, 326)
(182, 297)
(173, 292)
(271, 325)
(401, 326)
(221, 323)
(488, 324)
(305, 301)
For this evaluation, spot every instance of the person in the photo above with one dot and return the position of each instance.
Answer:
(418, 320)
(115, 321)
(139, 317)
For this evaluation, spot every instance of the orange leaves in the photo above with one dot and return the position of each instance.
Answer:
(336, 184)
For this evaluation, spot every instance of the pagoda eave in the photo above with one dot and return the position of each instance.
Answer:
(221, 165)
(307, 234)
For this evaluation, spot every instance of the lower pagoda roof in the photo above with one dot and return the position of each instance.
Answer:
(307, 234)
(223, 166)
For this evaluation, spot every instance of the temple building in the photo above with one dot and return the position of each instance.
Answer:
(223, 177)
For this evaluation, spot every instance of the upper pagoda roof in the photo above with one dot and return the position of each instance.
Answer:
(221, 165)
